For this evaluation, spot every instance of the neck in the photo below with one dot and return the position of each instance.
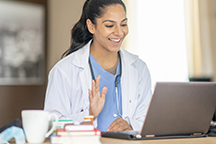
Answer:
(105, 58)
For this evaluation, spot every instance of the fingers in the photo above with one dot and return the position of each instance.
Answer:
(90, 94)
(115, 125)
(90, 100)
(119, 125)
(96, 98)
(95, 86)
(103, 92)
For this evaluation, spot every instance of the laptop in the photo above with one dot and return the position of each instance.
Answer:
(176, 110)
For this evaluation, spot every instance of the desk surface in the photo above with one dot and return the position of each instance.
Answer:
(205, 140)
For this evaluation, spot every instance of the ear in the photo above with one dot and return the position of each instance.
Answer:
(90, 26)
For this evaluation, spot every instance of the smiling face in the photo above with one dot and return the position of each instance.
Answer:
(110, 29)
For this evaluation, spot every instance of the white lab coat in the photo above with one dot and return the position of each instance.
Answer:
(69, 81)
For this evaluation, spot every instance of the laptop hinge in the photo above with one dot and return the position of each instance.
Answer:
(150, 136)
(195, 134)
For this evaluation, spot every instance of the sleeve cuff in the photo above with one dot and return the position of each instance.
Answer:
(137, 126)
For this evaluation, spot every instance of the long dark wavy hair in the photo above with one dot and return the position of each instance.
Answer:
(92, 9)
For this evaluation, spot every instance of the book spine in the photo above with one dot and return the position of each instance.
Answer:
(79, 134)
(61, 132)
(70, 140)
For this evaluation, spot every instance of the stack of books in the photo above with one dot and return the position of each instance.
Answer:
(76, 134)
(61, 123)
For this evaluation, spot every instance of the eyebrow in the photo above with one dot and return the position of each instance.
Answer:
(114, 21)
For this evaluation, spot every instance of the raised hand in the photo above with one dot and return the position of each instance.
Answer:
(96, 99)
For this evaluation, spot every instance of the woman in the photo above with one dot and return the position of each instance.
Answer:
(97, 77)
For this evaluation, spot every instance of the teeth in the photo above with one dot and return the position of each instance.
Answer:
(115, 40)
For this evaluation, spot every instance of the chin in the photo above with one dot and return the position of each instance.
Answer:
(114, 50)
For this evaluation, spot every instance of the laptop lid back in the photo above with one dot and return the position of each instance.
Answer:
(180, 109)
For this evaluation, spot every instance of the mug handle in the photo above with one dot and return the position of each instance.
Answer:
(53, 126)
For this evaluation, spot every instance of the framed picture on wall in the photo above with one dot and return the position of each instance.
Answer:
(22, 43)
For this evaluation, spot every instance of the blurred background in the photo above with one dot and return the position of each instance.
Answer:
(176, 38)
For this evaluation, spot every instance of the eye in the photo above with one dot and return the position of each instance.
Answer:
(109, 26)
(123, 25)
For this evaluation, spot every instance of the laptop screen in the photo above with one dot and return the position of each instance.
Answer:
(179, 108)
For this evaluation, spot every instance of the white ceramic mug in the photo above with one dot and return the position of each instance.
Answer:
(36, 123)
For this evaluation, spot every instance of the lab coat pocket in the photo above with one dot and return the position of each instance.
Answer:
(82, 106)
(78, 109)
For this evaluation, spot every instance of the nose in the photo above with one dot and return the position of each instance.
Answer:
(119, 31)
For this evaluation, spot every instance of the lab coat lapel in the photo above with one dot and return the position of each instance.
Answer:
(81, 60)
(129, 83)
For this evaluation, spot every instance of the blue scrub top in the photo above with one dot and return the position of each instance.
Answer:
(105, 118)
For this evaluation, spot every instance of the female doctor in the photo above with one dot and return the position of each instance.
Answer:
(97, 77)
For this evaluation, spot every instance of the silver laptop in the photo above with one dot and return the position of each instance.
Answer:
(177, 109)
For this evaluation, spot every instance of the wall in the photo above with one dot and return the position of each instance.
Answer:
(13, 99)
(62, 16)
(201, 33)
(212, 17)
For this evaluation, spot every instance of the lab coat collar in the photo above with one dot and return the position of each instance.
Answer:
(82, 55)
(127, 57)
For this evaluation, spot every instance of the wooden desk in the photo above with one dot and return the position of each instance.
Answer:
(206, 140)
